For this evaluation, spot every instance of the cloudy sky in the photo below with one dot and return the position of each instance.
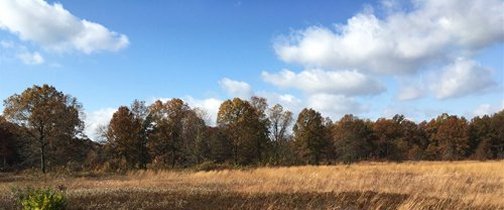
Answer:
(368, 58)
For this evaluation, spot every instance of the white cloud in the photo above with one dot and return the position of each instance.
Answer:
(408, 40)
(10, 50)
(401, 42)
(288, 101)
(335, 106)
(31, 58)
(319, 81)
(55, 28)
(7, 44)
(487, 109)
(410, 93)
(236, 88)
(484, 109)
(463, 77)
(95, 119)
(390, 5)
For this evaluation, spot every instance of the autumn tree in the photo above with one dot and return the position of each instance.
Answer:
(448, 138)
(10, 144)
(178, 134)
(397, 139)
(262, 125)
(166, 144)
(413, 141)
(487, 136)
(497, 127)
(310, 136)
(123, 138)
(194, 134)
(142, 114)
(480, 137)
(241, 123)
(218, 146)
(128, 133)
(47, 116)
(280, 121)
(352, 138)
(387, 132)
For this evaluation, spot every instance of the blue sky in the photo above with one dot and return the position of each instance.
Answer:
(369, 58)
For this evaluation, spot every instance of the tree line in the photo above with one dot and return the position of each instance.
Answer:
(42, 127)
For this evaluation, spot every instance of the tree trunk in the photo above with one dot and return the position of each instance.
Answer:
(235, 154)
(42, 149)
(141, 155)
(259, 155)
(173, 158)
(42, 158)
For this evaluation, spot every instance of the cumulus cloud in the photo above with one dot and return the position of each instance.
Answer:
(11, 50)
(317, 81)
(288, 98)
(95, 120)
(410, 93)
(236, 88)
(390, 5)
(335, 105)
(55, 28)
(484, 109)
(7, 44)
(487, 109)
(417, 39)
(31, 58)
(401, 42)
(463, 77)
(288, 101)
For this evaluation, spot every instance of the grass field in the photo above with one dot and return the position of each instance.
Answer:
(410, 185)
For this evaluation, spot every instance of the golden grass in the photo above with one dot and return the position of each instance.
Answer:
(467, 184)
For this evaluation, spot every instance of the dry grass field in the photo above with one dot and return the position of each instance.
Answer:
(410, 185)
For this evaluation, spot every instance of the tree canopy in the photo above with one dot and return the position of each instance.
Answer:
(43, 126)
(48, 116)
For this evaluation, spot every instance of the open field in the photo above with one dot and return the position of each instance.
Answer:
(411, 185)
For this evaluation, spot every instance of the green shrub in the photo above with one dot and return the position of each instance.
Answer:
(41, 199)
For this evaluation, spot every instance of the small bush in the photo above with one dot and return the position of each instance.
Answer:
(41, 198)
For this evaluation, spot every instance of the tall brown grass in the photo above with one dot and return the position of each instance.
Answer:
(411, 185)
